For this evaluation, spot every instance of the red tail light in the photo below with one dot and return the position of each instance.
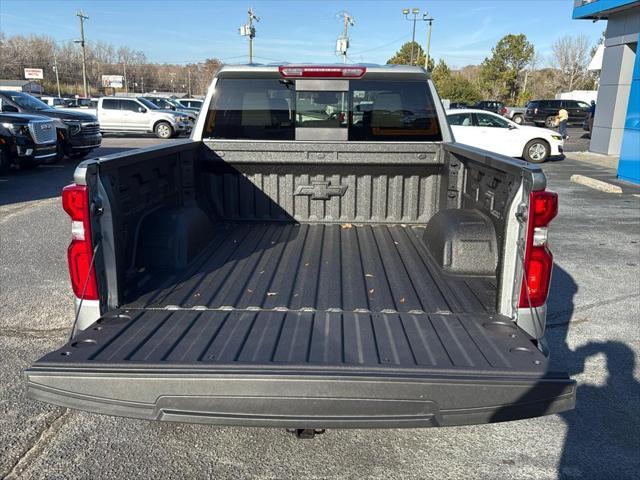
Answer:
(538, 261)
(75, 201)
(503, 111)
(321, 71)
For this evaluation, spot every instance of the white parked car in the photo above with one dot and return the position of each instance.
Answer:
(492, 132)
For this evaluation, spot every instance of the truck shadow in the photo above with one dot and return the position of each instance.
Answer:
(601, 440)
(45, 181)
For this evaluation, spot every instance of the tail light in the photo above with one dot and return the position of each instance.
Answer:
(322, 71)
(75, 201)
(503, 111)
(538, 261)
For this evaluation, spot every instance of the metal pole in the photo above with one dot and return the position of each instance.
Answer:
(55, 67)
(413, 36)
(344, 34)
(426, 59)
(82, 18)
(189, 80)
(251, 35)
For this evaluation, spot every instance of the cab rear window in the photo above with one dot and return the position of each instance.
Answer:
(371, 110)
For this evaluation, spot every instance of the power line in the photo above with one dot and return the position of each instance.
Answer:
(403, 37)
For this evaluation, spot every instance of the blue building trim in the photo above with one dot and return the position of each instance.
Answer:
(600, 8)
(629, 164)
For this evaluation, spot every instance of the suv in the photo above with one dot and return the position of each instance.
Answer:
(490, 105)
(25, 140)
(78, 133)
(164, 103)
(126, 114)
(194, 104)
(543, 112)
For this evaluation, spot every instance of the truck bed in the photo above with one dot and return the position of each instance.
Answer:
(307, 326)
(315, 267)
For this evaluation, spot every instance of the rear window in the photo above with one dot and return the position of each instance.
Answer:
(371, 110)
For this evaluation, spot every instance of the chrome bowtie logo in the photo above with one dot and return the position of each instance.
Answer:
(45, 127)
(321, 190)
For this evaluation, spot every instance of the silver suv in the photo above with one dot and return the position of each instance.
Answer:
(122, 114)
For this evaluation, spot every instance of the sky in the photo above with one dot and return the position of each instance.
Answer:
(188, 31)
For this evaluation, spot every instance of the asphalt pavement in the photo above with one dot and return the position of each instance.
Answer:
(592, 330)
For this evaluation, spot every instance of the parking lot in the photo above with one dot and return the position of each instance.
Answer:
(592, 331)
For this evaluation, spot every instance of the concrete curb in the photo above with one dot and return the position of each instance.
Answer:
(596, 184)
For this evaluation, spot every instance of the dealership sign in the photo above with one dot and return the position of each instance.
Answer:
(114, 81)
(34, 73)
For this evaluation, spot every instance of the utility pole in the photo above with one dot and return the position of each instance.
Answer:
(82, 18)
(248, 30)
(126, 85)
(55, 68)
(342, 44)
(189, 80)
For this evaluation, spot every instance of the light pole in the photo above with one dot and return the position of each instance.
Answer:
(415, 12)
(429, 19)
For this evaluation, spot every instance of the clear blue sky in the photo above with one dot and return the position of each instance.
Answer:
(297, 31)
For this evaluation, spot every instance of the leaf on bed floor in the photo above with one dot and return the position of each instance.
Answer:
(271, 294)
(371, 290)
(368, 274)
(346, 225)
(402, 300)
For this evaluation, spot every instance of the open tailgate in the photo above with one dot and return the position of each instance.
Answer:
(303, 369)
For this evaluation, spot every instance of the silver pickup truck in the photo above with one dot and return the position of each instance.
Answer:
(126, 114)
(320, 253)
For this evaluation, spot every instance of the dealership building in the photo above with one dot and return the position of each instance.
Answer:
(616, 128)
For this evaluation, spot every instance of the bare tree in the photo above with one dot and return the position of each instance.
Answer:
(570, 56)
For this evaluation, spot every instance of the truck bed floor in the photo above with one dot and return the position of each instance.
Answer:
(381, 268)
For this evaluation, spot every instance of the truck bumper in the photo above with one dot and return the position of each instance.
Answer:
(301, 400)
(82, 143)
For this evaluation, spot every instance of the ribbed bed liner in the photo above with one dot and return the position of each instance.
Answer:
(315, 267)
(382, 342)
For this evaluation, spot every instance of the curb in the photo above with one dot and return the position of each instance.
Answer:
(596, 184)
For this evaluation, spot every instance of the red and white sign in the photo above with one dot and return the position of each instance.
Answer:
(35, 73)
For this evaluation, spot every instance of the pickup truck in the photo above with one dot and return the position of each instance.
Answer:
(515, 114)
(319, 254)
(126, 114)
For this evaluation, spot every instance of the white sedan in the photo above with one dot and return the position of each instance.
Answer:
(486, 130)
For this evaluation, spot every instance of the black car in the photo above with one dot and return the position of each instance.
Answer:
(77, 132)
(458, 105)
(490, 105)
(26, 140)
(543, 112)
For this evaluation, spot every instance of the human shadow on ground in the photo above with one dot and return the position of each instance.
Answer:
(603, 431)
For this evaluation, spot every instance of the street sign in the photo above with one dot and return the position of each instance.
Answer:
(33, 73)
(114, 81)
